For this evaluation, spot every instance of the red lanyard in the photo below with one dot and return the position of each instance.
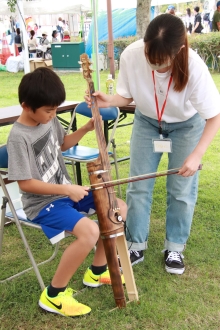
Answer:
(160, 113)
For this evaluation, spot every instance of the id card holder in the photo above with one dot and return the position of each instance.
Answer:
(162, 145)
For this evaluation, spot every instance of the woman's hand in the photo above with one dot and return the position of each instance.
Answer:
(103, 100)
(190, 165)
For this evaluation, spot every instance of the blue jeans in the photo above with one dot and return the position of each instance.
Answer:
(181, 191)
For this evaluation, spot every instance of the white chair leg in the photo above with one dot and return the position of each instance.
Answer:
(74, 172)
(116, 166)
(2, 221)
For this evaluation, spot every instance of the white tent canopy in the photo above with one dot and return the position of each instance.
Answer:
(41, 7)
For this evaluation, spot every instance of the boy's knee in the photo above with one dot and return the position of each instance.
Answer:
(93, 230)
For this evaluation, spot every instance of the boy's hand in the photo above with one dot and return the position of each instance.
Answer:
(76, 193)
(90, 125)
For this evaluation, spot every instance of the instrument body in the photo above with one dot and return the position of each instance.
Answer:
(108, 212)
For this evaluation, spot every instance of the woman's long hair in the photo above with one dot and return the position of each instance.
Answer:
(32, 33)
(165, 36)
(188, 10)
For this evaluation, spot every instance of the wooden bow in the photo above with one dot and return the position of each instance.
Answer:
(136, 178)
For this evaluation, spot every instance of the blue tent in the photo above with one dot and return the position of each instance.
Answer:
(123, 22)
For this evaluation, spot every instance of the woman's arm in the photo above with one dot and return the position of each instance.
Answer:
(195, 27)
(105, 101)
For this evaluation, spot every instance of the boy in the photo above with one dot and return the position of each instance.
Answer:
(35, 146)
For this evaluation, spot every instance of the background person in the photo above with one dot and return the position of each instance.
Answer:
(197, 21)
(54, 36)
(60, 28)
(189, 21)
(216, 18)
(18, 40)
(32, 44)
(44, 40)
(13, 34)
(66, 36)
(45, 45)
(171, 10)
(177, 108)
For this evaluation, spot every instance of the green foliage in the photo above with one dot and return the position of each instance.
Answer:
(208, 47)
(167, 302)
(119, 45)
(11, 4)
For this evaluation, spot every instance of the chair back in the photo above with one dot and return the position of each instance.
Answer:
(3, 157)
(110, 113)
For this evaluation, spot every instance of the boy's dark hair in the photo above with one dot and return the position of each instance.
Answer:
(42, 87)
(196, 9)
(18, 31)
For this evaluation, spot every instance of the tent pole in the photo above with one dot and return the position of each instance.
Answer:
(25, 52)
(96, 43)
(110, 39)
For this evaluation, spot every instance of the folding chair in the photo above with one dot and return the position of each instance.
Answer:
(84, 154)
(11, 210)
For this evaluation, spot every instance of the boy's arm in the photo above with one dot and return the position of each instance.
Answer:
(74, 192)
(72, 139)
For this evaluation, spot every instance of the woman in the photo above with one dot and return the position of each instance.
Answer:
(54, 36)
(44, 40)
(18, 40)
(66, 36)
(32, 44)
(189, 21)
(177, 110)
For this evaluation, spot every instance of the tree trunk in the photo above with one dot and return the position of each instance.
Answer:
(142, 17)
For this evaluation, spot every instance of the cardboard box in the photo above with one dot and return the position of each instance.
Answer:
(39, 62)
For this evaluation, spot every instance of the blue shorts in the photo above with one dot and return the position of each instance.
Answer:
(62, 215)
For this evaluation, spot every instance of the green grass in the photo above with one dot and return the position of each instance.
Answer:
(186, 302)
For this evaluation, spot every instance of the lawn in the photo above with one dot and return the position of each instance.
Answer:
(190, 301)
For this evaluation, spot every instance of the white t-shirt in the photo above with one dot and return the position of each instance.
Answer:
(32, 43)
(135, 81)
(188, 20)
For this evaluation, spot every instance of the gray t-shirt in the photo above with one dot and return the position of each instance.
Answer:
(34, 153)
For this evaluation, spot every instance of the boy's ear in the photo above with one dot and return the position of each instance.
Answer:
(25, 107)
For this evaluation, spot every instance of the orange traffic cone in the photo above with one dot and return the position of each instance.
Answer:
(5, 50)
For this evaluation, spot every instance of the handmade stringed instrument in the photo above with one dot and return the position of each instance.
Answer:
(108, 212)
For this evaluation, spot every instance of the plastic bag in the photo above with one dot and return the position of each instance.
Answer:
(3, 67)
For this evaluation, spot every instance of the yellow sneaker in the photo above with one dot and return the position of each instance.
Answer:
(94, 281)
(63, 304)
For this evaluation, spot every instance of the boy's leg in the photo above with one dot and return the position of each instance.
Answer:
(87, 233)
(57, 298)
(63, 217)
(97, 274)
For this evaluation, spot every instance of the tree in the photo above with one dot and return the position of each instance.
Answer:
(142, 16)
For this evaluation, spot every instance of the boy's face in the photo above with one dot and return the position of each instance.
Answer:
(42, 115)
